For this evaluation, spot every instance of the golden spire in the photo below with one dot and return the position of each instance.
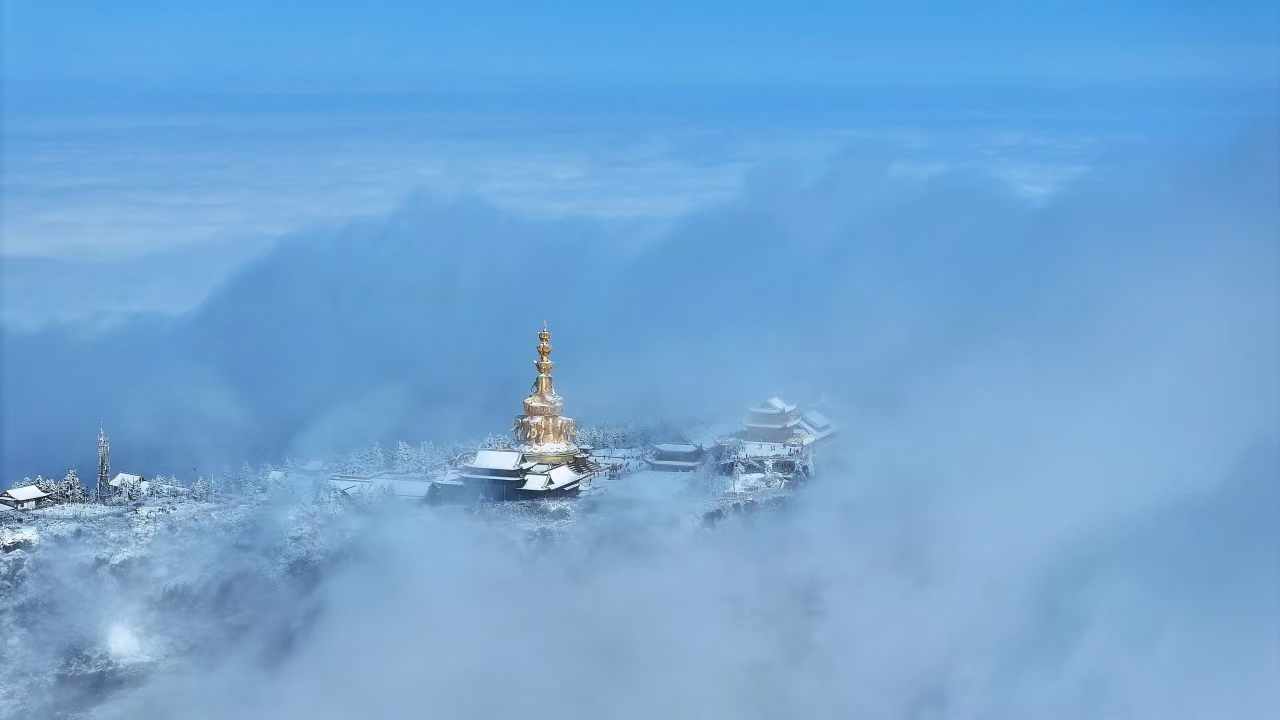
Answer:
(541, 427)
(544, 385)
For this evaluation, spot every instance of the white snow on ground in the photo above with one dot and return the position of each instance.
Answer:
(13, 538)
(123, 644)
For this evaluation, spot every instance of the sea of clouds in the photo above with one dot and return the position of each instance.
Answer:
(1049, 497)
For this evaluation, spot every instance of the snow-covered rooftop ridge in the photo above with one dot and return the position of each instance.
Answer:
(816, 419)
(497, 459)
(562, 474)
(676, 447)
(124, 479)
(774, 404)
(536, 481)
(556, 477)
(26, 493)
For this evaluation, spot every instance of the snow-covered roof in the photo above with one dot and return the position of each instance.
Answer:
(122, 479)
(535, 481)
(676, 447)
(816, 420)
(562, 475)
(26, 493)
(774, 404)
(276, 475)
(497, 459)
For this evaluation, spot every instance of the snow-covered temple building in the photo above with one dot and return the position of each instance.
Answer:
(777, 421)
(25, 497)
(545, 461)
(775, 445)
(676, 456)
(772, 421)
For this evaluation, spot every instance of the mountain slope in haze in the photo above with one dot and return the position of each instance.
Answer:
(858, 285)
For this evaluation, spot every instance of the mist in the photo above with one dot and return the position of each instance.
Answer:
(1051, 495)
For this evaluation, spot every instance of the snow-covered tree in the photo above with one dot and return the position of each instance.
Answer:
(492, 442)
(590, 436)
(376, 458)
(433, 457)
(248, 480)
(201, 489)
(407, 457)
(274, 479)
(71, 489)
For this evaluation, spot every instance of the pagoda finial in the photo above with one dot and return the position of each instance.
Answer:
(543, 385)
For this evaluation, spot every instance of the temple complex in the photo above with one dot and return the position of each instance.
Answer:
(545, 461)
(775, 444)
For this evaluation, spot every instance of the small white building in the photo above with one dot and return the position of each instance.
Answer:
(26, 497)
(129, 486)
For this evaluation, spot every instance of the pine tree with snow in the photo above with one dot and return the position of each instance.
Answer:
(252, 482)
(48, 485)
(406, 458)
(590, 436)
(72, 489)
(495, 442)
(201, 490)
(377, 459)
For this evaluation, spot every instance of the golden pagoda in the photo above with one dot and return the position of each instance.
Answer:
(546, 461)
(542, 431)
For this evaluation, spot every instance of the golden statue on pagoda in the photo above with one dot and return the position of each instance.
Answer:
(542, 431)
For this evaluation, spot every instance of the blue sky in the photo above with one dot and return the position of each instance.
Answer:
(333, 47)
